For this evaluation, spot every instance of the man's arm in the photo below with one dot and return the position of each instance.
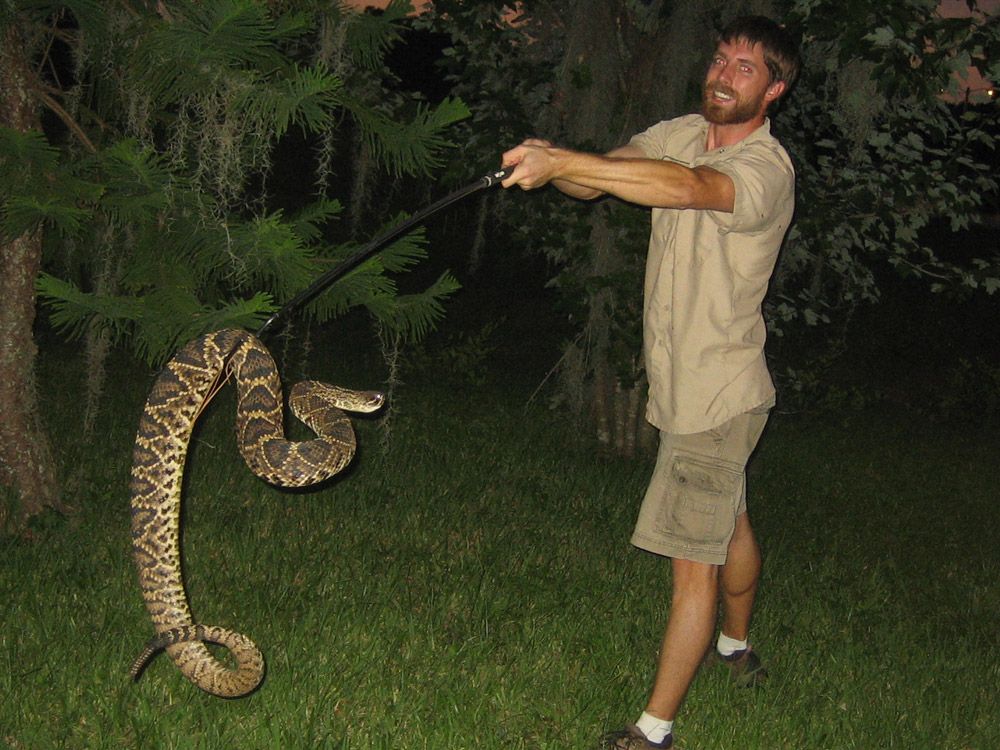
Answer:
(585, 192)
(624, 172)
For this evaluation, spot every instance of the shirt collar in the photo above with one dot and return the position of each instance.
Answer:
(764, 131)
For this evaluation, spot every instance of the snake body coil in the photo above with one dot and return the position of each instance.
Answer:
(175, 401)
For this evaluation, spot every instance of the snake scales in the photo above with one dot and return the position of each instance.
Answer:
(177, 398)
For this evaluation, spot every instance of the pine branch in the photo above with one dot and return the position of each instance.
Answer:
(411, 148)
(306, 222)
(413, 315)
(370, 36)
(73, 310)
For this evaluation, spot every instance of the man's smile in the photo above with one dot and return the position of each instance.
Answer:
(721, 93)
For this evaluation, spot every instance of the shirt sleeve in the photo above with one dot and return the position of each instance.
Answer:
(764, 182)
(654, 141)
(646, 142)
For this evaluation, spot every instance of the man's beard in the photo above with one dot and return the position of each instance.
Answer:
(736, 114)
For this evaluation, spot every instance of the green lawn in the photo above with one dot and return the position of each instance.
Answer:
(472, 586)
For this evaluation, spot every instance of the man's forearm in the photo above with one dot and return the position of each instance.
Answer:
(624, 173)
(576, 191)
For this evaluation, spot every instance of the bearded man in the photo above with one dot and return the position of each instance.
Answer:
(721, 189)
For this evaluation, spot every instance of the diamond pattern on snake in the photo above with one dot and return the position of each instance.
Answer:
(175, 401)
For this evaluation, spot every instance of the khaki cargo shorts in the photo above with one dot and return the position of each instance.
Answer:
(698, 489)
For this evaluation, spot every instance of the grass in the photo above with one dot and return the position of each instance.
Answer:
(472, 586)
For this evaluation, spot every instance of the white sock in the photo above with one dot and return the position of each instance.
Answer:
(728, 646)
(654, 729)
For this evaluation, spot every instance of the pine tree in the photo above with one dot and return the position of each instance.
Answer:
(153, 180)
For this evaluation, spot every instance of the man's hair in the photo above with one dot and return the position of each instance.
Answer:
(781, 53)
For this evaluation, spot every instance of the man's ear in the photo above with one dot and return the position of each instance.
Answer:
(775, 90)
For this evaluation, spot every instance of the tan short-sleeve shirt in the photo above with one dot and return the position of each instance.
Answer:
(706, 276)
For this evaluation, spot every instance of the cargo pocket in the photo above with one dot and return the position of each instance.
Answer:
(707, 491)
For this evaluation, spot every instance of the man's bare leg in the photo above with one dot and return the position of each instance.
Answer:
(689, 630)
(739, 578)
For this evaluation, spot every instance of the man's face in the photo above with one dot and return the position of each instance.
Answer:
(737, 87)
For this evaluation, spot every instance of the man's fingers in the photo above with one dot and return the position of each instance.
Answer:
(528, 162)
(511, 179)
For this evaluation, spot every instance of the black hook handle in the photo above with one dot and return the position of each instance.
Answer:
(363, 253)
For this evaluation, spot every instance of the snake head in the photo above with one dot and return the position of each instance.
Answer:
(375, 401)
(359, 401)
(342, 398)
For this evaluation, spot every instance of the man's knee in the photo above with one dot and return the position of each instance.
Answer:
(694, 578)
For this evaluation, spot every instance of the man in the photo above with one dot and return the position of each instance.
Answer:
(722, 193)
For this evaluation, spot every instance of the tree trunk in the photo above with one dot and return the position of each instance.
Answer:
(27, 466)
(617, 411)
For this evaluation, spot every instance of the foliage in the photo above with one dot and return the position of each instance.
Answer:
(880, 154)
(813, 388)
(970, 392)
(170, 211)
(491, 64)
(462, 359)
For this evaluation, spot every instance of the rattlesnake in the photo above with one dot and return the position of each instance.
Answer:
(177, 397)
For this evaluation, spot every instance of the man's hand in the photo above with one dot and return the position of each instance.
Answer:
(537, 163)
(534, 163)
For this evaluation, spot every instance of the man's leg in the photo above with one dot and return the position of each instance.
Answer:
(689, 631)
(739, 580)
(693, 611)
(694, 471)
